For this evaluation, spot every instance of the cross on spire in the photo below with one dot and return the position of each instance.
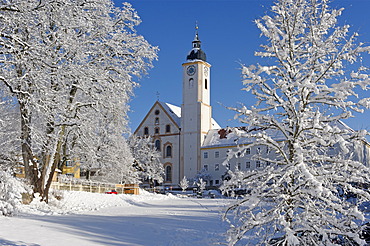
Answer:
(158, 94)
(196, 31)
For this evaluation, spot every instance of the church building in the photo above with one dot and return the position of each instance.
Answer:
(190, 140)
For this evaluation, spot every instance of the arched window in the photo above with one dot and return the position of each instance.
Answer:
(169, 151)
(168, 173)
(156, 130)
(156, 121)
(146, 131)
(157, 144)
(168, 128)
(191, 83)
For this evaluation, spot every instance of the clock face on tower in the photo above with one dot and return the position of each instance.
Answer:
(191, 70)
(206, 71)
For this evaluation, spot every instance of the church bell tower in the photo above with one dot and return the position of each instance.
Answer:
(196, 111)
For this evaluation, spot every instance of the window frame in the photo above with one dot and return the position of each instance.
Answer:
(217, 167)
(217, 154)
(159, 145)
(168, 172)
(156, 130)
(168, 150)
(258, 164)
(205, 155)
(168, 128)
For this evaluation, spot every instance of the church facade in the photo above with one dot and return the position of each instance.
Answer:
(190, 140)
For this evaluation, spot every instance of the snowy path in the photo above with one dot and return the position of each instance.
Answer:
(151, 222)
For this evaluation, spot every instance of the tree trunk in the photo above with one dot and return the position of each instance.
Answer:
(55, 164)
(30, 165)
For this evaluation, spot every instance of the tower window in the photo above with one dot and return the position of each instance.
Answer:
(146, 131)
(191, 83)
(168, 128)
(206, 84)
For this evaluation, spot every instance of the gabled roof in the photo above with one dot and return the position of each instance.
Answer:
(173, 111)
(215, 125)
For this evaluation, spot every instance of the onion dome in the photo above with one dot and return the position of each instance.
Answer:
(196, 52)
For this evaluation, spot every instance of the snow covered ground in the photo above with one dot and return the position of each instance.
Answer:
(82, 218)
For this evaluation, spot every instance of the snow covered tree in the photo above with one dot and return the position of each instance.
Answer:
(71, 66)
(11, 190)
(201, 185)
(311, 82)
(146, 159)
(9, 134)
(204, 175)
(184, 184)
(109, 155)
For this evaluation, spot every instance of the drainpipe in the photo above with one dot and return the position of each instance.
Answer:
(179, 154)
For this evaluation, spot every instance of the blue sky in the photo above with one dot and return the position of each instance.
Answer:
(229, 38)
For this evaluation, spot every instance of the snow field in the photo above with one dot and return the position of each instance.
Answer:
(83, 218)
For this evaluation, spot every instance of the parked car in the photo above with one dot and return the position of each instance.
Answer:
(111, 192)
(213, 193)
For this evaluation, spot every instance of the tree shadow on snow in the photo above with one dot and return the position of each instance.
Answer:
(172, 228)
(19, 243)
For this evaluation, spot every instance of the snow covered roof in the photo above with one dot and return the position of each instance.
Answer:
(173, 111)
(229, 137)
(196, 54)
(232, 136)
(215, 125)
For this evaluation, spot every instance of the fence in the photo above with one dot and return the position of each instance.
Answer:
(95, 187)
